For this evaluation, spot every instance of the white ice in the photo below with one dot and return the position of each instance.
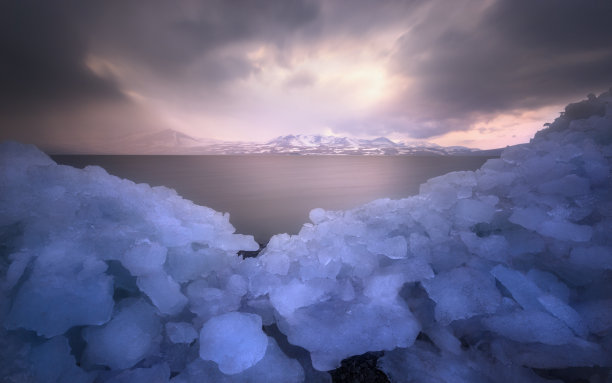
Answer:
(487, 274)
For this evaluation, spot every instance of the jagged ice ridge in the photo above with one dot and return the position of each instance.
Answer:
(499, 273)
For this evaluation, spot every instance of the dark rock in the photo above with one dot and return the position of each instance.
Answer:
(360, 369)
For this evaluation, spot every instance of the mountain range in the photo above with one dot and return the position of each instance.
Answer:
(174, 142)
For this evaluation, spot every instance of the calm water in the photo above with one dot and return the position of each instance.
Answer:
(266, 195)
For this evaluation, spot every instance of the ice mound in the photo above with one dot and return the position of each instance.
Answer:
(275, 366)
(52, 362)
(129, 337)
(424, 362)
(235, 341)
(491, 260)
(101, 267)
(58, 296)
(503, 274)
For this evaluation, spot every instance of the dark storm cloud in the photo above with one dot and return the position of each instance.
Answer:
(356, 19)
(48, 95)
(44, 44)
(462, 59)
(169, 36)
(48, 92)
(42, 55)
(519, 54)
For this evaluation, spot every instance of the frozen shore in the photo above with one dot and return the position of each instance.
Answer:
(504, 274)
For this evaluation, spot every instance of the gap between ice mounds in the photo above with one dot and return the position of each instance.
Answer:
(498, 272)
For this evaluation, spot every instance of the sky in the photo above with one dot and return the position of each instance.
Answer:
(76, 75)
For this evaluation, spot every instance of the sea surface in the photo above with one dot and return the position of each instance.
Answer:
(271, 194)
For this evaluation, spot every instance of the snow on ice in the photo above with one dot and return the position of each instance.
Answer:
(498, 275)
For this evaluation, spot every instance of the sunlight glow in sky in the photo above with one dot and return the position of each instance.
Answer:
(482, 73)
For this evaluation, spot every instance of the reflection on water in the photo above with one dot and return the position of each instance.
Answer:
(266, 195)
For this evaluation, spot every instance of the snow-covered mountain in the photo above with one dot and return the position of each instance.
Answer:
(311, 141)
(317, 144)
(169, 137)
(174, 142)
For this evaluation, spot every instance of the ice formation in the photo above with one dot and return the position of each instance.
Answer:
(235, 341)
(498, 275)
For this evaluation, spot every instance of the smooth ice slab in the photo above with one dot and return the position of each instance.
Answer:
(530, 326)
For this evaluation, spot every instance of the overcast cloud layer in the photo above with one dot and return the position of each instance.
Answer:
(78, 74)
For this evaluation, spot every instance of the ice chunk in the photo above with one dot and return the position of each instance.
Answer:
(443, 338)
(440, 195)
(491, 179)
(295, 294)
(185, 265)
(462, 293)
(163, 291)
(23, 155)
(394, 247)
(492, 247)
(144, 258)
(436, 226)
(565, 313)
(159, 373)
(51, 301)
(275, 366)
(276, 263)
(462, 181)
(423, 363)
(53, 362)
(530, 218)
(523, 290)
(235, 242)
(568, 186)
(332, 331)
(416, 364)
(530, 326)
(181, 332)
(384, 287)
(420, 245)
(129, 337)
(207, 302)
(597, 314)
(235, 341)
(564, 230)
(545, 356)
(524, 242)
(317, 215)
(550, 284)
(346, 291)
(473, 211)
(19, 262)
(597, 167)
(595, 257)
(237, 285)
